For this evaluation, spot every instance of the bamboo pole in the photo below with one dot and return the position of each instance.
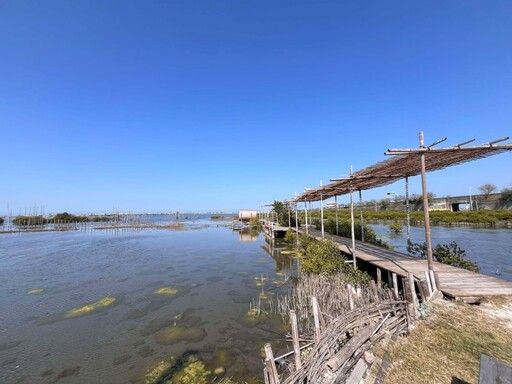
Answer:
(429, 284)
(295, 339)
(432, 280)
(412, 287)
(336, 203)
(407, 212)
(395, 285)
(322, 212)
(271, 366)
(354, 261)
(306, 215)
(361, 213)
(426, 212)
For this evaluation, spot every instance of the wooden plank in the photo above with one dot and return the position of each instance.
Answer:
(357, 374)
(493, 371)
(349, 348)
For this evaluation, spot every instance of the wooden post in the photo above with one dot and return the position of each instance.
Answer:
(432, 280)
(297, 223)
(306, 215)
(407, 212)
(436, 279)
(361, 214)
(316, 316)
(352, 228)
(395, 286)
(379, 278)
(375, 291)
(350, 297)
(322, 211)
(412, 287)
(429, 285)
(271, 366)
(336, 203)
(295, 339)
(426, 213)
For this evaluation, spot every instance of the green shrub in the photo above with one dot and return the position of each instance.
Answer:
(1, 220)
(395, 228)
(324, 257)
(65, 217)
(450, 254)
(290, 236)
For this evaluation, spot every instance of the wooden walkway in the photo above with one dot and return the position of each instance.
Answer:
(454, 282)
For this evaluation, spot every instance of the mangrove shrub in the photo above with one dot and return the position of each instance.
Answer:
(324, 257)
(29, 220)
(450, 254)
(65, 217)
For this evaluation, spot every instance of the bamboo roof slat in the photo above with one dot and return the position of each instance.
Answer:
(404, 163)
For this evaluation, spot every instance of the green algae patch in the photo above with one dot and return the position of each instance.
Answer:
(166, 291)
(36, 291)
(186, 370)
(90, 308)
(97, 306)
(192, 371)
(176, 334)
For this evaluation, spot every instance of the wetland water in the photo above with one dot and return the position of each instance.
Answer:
(102, 306)
(491, 248)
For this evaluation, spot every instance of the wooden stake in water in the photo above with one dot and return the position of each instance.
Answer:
(271, 366)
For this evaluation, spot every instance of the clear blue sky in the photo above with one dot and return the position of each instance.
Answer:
(153, 106)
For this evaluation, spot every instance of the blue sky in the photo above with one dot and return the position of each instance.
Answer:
(154, 106)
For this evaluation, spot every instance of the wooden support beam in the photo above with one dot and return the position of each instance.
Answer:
(432, 280)
(429, 285)
(379, 278)
(375, 290)
(395, 285)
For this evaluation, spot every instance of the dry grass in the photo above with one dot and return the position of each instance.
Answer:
(448, 344)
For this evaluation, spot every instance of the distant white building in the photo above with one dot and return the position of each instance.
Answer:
(247, 214)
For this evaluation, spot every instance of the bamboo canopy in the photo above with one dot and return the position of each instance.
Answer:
(404, 163)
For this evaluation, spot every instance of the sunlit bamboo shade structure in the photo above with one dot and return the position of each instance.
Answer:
(404, 163)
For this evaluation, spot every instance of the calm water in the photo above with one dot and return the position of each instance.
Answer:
(202, 280)
(490, 248)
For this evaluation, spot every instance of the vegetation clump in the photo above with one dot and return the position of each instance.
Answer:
(290, 236)
(450, 254)
(29, 220)
(65, 217)
(89, 308)
(395, 228)
(324, 258)
(1, 220)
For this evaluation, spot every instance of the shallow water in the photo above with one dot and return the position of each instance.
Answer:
(491, 248)
(97, 306)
